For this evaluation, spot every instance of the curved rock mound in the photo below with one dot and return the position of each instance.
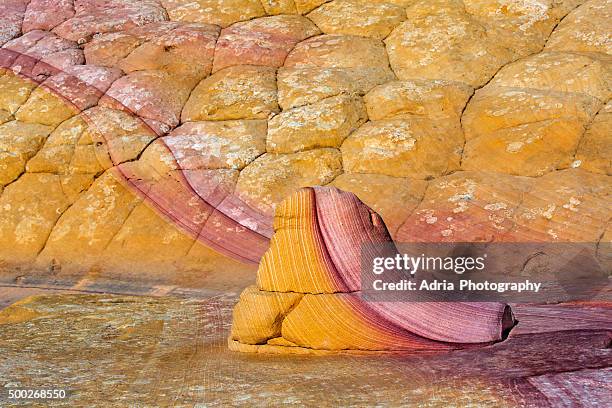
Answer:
(308, 292)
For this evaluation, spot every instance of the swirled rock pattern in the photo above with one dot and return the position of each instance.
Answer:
(154, 139)
(309, 282)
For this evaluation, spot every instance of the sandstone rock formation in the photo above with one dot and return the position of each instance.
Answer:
(192, 120)
(309, 283)
(145, 146)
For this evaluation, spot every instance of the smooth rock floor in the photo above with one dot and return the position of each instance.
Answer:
(119, 351)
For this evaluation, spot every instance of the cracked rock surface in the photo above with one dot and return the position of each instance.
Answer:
(152, 140)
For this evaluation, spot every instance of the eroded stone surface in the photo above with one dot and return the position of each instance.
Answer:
(466, 207)
(66, 150)
(308, 85)
(5, 116)
(14, 91)
(357, 17)
(324, 124)
(155, 95)
(109, 49)
(10, 22)
(18, 143)
(45, 108)
(219, 12)
(274, 7)
(565, 206)
(583, 74)
(594, 150)
(142, 230)
(469, 42)
(116, 135)
(29, 209)
(403, 148)
(338, 51)
(434, 99)
(238, 92)
(107, 205)
(482, 207)
(47, 14)
(115, 15)
(220, 144)
(439, 40)
(178, 48)
(265, 41)
(584, 29)
(272, 177)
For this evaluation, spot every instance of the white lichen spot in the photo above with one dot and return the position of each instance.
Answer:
(514, 147)
(573, 204)
(549, 212)
(496, 206)
(428, 216)
(461, 206)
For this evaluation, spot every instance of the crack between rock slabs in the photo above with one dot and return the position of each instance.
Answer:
(25, 10)
(50, 30)
(206, 76)
(15, 180)
(416, 207)
(587, 127)
(559, 22)
(84, 191)
(139, 155)
(40, 148)
(161, 6)
(601, 236)
(467, 103)
(313, 10)
(112, 238)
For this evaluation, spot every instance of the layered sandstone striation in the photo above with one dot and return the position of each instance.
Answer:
(153, 140)
(309, 284)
